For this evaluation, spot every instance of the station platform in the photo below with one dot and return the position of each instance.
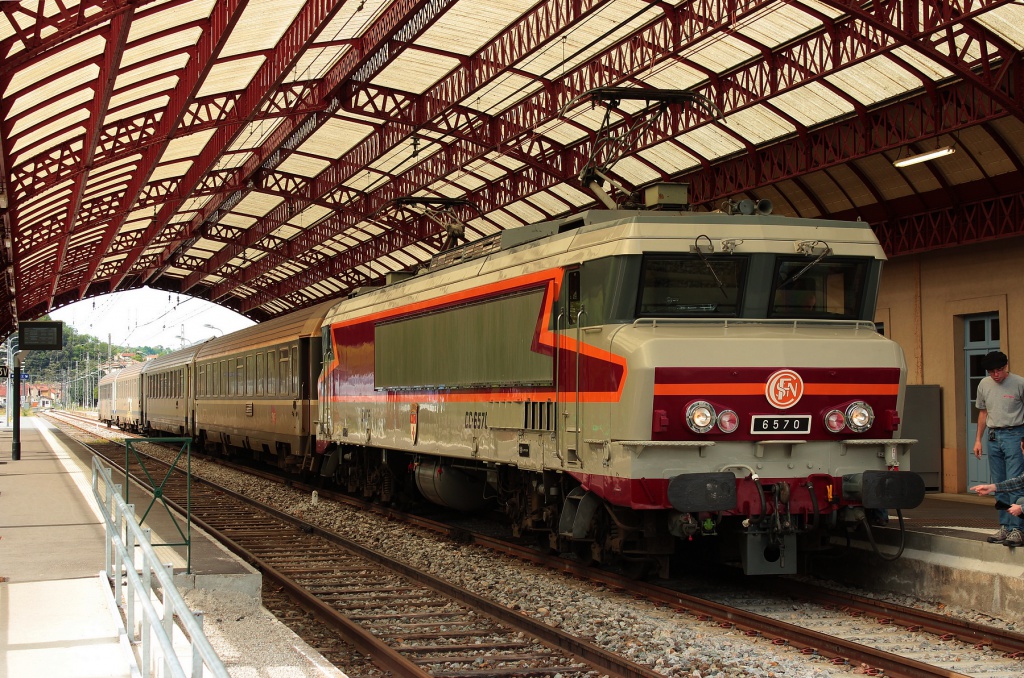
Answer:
(944, 556)
(57, 613)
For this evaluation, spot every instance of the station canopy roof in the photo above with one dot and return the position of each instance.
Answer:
(261, 154)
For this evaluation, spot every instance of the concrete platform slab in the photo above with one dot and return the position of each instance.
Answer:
(60, 627)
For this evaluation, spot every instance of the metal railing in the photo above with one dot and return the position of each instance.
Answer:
(133, 588)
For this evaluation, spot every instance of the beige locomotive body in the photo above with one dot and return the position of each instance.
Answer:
(558, 368)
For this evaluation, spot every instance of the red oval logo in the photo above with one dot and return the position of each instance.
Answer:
(784, 389)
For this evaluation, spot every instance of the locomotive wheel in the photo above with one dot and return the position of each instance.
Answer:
(590, 550)
(638, 568)
(584, 552)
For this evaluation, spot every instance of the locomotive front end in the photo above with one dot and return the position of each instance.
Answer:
(798, 435)
(762, 407)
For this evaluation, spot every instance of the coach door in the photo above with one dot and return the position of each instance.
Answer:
(570, 318)
(981, 335)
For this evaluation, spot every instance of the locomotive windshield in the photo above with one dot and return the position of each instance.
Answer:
(688, 285)
(833, 289)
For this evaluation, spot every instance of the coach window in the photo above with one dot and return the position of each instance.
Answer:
(240, 375)
(294, 362)
(271, 372)
(250, 374)
(284, 375)
(261, 372)
(224, 377)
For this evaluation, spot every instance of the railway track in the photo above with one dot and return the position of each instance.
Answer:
(408, 621)
(888, 640)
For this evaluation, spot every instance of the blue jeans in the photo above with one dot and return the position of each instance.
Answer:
(1005, 460)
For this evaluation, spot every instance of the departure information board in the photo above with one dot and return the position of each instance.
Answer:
(41, 335)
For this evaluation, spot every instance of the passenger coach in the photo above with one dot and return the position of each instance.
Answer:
(255, 390)
(121, 398)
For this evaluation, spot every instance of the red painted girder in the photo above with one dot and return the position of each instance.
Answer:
(950, 34)
(223, 19)
(108, 150)
(807, 59)
(292, 186)
(389, 241)
(539, 24)
(958, 106)
(68, 21)
(626, 55)
(493, 59)
(848, 40)
(965, 222)
(401, 22)
(886, 129)
(510, 189)
(118, 37)
(426, 172)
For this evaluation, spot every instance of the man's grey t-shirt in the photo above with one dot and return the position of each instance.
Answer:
(1004, 402)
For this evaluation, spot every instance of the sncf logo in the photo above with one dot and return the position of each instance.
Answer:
(784, 389)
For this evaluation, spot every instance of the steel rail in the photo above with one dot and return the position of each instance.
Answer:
(613, 664)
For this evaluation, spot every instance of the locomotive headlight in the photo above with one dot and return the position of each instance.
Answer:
(728, 421)
(700, 416)
(835, 421)
(859, 416)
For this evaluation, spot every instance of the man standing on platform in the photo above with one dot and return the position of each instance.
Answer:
(1000, 402)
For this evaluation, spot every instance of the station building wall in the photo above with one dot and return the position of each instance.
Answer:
(923, 302)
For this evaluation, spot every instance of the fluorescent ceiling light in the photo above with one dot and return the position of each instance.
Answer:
(924, 157)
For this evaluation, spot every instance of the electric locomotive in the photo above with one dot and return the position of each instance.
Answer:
(618, 381)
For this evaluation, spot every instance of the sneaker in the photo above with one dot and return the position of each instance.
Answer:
(1000, 535)
(1015, 538)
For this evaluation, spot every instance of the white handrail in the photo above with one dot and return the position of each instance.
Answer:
(115, 514)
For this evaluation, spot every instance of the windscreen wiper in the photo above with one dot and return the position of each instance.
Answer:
(824, 253)
(700, 253)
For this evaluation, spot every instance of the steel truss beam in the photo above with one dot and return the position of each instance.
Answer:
(830, 49)
(690, 24)
(402, 22)
(542, 22)
(960, 221)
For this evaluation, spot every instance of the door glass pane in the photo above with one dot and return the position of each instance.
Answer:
(995, 329)
(976, 330)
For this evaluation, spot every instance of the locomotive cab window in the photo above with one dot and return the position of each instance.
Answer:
(688, 285)
(828, 289)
